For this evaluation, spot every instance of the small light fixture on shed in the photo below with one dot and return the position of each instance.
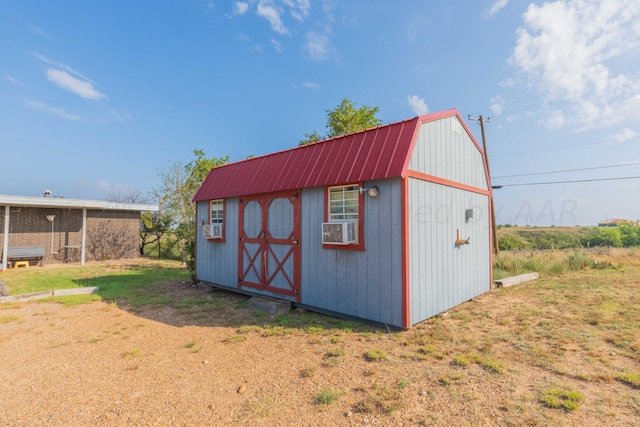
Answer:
(371, 191)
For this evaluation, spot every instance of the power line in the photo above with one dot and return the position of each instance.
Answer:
(562, 147)
(567, 170)
(497, 187)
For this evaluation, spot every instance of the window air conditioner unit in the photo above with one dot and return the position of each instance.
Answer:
(339, 233)
(212, 231)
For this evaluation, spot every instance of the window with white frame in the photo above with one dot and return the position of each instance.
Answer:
(216, 211)
(344, 203)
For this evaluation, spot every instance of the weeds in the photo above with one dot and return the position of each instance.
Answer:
(327, 396)
(562, 398)
(464, 359)
(308, 372)
(492, 365)
(131, 353)
(8, 319)
(376, 355)
(263, 406)
(631, 379)
(235, 338)
(334, 357)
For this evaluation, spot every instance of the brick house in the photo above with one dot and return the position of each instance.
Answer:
(70, 230)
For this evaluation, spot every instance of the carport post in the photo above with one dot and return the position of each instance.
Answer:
(5, 237)
(84, 235)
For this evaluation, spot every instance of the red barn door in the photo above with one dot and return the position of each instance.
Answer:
(269, 247)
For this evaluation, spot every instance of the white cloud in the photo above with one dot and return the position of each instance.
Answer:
(299, 8)
(565, 48)
(624, 135)
(497, 105)
(14, 81)
(72, 84)
(60, 65)
(499, 4)
(417, 104)
(507, 83)
(119, 116)
(317, 46)
(240, 8)
(38, 31)
(555, 120)
(311, 85)
(271, 13)
(277, 45)
(56, 111)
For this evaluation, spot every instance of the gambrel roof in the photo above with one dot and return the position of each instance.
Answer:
(376, 153)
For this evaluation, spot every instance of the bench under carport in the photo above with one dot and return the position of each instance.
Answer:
(18, 254)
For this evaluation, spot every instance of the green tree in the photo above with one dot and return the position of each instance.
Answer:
(153, 225)
(602, 236)
(179, 183)
(630, 234)
(345, 119)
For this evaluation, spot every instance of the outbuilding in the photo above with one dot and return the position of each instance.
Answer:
(37, 230)
(391, 224)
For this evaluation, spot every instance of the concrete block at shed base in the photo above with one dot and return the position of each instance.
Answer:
(206, 288)
(515, 280)
(270, 305)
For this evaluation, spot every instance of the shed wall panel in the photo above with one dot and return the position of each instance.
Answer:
(365, 284)
(443, 275)
(444, 149)
(217, 262)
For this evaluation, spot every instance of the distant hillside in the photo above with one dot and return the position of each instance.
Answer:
(514, 238)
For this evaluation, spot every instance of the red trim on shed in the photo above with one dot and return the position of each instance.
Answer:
(355, 247)
(264, 266)
(406, 296)
(448, 183)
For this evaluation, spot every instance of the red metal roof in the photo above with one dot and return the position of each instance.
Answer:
(376, 153)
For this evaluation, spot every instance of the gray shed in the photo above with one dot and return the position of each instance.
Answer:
(390, 225)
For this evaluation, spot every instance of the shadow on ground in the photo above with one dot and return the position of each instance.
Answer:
(180, 303)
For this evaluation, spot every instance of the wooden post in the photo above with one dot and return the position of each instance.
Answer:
(494, 227)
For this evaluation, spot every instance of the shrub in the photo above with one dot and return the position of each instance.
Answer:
(579, 261)
(512, 243)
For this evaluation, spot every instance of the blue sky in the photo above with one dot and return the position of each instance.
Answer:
(97, 97)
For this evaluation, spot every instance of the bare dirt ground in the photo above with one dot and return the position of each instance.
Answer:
(217, 363)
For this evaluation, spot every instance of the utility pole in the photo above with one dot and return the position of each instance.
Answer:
(494, 228)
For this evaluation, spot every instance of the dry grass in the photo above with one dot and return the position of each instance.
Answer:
(563, 350)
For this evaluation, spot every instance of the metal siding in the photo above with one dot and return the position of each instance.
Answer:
(365, 284)
(217, 261)
(372, 154)
(441, 274)
(441, 152)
